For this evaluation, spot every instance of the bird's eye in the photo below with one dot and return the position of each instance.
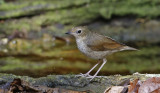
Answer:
(79, 31)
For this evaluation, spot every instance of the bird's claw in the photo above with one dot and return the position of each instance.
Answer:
(92, 77)
(87, 76)
(83, 75)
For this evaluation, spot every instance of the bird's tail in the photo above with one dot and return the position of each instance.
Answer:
(127, 48)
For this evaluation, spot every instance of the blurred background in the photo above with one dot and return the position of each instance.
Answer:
(33, 43)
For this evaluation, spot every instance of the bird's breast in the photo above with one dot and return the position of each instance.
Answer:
(82, 46)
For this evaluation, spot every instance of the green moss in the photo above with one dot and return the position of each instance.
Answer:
(66, 12)
(31, 7)
(71, 82)
(40, 56)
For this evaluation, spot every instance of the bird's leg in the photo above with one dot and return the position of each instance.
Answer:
(92, 68)
(87, 74)
(104, 61)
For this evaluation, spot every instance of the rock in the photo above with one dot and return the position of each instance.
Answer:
(71, 82)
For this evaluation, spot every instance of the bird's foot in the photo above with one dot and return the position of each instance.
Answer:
(87, 76)
(83, 75)
(92, 77)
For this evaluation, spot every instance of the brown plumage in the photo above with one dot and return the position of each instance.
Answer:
(96, 46)
(102, 43)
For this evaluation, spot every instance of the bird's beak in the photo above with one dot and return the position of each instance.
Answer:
(68, 32)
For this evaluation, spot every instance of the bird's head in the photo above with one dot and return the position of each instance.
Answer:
(77, 32)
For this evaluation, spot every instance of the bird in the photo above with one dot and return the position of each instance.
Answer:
(95, 46)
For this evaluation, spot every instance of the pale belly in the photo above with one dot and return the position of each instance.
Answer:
(96, 55)
(90, 53)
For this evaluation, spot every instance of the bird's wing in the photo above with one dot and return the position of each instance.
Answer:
(98, 42)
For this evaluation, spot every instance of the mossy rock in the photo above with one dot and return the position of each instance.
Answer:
(97, 85)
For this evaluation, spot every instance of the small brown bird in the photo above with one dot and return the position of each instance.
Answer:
(95, 46)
